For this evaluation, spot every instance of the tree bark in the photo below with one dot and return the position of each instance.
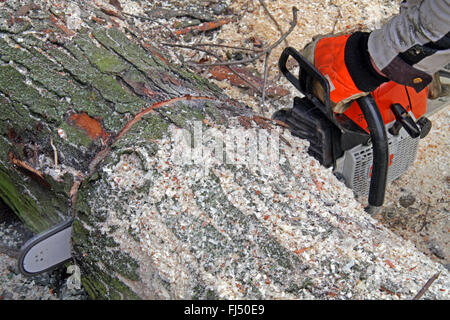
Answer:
(87, 124)
(74, 103)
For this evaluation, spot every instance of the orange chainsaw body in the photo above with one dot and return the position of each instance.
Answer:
(385, 96)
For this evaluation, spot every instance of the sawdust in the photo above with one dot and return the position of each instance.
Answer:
(322, 229)
(425, 220)
(314, 18)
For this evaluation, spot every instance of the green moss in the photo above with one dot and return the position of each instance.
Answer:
(108, 63)
(113, 259)
(125, 266)
(155, 127)
(88, 287)
(107, 86)
(133, 53)
(111, 90)
(25, 207)
(125, 291)
(81, 235)
(77, 67)
(76, 136)
(182, 115)
(82, 206)
(12, 84)
(98, 290)
(105, 286)
(103, 59)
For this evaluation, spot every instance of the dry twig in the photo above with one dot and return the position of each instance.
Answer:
(215, 56)
(206, 26)
(273, 19)
(266, 67)
(337, 19)
(425, 218)
(55, 153)
(227, 46)
(263, 52)
(426, 286)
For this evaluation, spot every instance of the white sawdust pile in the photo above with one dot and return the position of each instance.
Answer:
(346, 253)
(314, 18)
(314, 216)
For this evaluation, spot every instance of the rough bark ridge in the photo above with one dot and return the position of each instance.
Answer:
(87, 124)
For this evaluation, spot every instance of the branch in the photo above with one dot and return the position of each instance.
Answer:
(55, 153)
(263, 52)
(337, 19)
(425, 218)
(426, 286)
(215, 56)
(273, 19)
(226, 46)
(266, 67)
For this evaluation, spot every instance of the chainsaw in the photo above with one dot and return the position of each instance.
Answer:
(369, 145)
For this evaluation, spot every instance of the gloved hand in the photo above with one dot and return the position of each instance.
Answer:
(345, 61)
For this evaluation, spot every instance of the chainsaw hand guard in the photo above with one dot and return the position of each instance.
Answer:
(310, 81)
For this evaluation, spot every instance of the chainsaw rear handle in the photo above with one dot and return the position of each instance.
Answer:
(380, 148)
(402, 116)
(307, 75)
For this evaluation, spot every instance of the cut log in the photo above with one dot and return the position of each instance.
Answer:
(90, 123)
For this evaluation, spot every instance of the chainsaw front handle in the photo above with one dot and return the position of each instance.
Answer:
(380, 149)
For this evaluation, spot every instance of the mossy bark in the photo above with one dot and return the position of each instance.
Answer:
(63, 106)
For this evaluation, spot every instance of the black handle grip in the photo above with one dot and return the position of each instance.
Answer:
(406, 121)
(380, 148)
(307, 75)
(289, 51)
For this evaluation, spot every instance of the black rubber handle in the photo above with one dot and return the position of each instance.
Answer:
(289, 51)
(406, 121)
(380, 149)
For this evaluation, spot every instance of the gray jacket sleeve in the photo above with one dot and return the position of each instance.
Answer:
(413, 45)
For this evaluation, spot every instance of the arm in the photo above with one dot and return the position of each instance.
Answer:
(413, 45)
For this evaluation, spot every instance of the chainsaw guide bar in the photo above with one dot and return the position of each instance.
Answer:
(46, 250)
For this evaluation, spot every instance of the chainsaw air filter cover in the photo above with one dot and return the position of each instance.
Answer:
(356, 164)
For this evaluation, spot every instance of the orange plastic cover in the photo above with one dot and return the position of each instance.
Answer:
(333, 67)
(388, 94)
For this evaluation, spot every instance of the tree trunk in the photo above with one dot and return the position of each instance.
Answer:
(88, 131)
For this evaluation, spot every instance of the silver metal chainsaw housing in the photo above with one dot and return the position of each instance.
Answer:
(356, 163)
